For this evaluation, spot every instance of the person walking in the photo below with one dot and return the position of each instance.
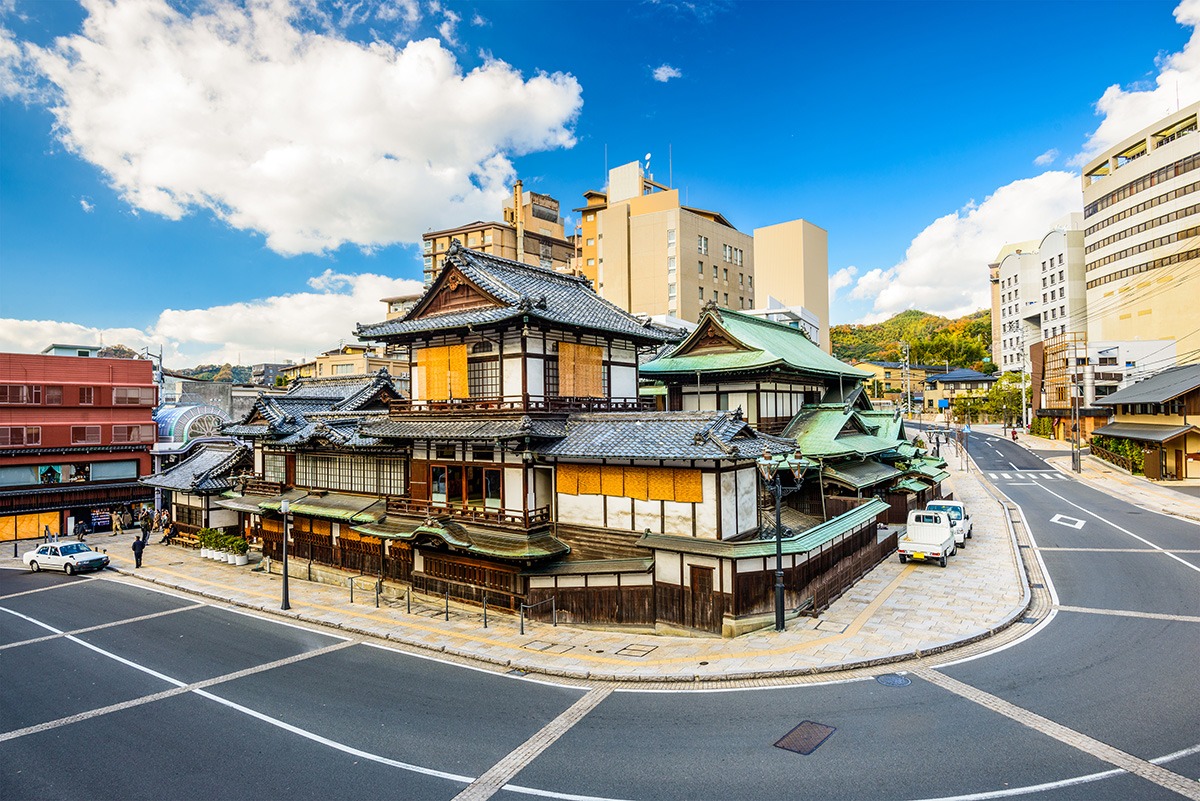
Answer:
(116, 522)
(138, 547)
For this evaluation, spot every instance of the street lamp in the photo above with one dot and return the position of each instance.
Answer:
(284, 508)
(768, 468)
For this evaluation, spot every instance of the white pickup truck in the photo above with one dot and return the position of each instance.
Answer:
(927, 538)
(960, 521)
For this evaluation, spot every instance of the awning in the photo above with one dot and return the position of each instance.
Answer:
(911, 485)
(334, 506)
(255, 503)
(1147, 432)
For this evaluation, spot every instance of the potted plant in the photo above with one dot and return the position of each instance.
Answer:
(230, 543)
(241, 551)
(204, 535)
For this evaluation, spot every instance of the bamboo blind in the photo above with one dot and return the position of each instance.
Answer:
(642, 483)
(443, 372)
(580, 371)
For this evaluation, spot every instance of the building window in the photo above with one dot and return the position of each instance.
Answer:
(702, 244)
(590, 217)
(727, 253)
(483, 377)
(670, 265)
(725, 300)
(590, 241)
(1060, 259)
(54, 396)
(750, 282)
(127, 434)
(670, 237)
(13, 436)
(487, 237)
(591, 262)
(85, 435)
(86, 395)
(20, 393)
(133, 396)
(700, 268)
(741, 280)
(352, 473)
(671, 291)
(274, 467)
(725, 274)
(444, 452)
(701, 290)
(428, 246)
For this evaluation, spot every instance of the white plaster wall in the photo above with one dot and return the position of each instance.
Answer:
(537, 379)
(570, 581)
(706, 512)
(729, 508)
(747, 487)
(513, 489)
(646, 516)
(624, 382)
(195, 501)
(620, 513)
(581, 510)
(258, 461)
(666, 567)
(512, 376)
(543, 486)
(336, 529)
(512, 343)
(418, 560)
(609, 580)
(541, 582)
(677, 518)
(637, 580)
(222, 518)
(738, 400)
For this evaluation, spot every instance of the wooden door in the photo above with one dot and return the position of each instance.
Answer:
(703, 608)
(1179, 465)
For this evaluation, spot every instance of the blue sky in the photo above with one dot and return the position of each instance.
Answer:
(245, 180)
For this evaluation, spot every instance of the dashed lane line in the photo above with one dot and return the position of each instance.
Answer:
(1183, 562)
(1114, 756)
(137, 619)
(1127, 613)
(1120, 550)
(498, 776)
(179, 688)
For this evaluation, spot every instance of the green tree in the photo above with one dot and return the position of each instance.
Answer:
(1004, 398)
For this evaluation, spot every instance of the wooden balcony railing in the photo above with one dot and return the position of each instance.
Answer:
(526, 519)
(524, 404)
(256, 485)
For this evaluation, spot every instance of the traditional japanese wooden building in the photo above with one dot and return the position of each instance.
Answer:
(525, 466)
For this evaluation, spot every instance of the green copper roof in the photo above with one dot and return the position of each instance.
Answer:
(826, 432)
(753, 344)
(333, 506)
(803, 542)
(911, 484)
(859, 475)
(474, 540)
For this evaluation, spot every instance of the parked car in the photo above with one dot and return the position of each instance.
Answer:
(70, 557)
(960, 521)
(927, 538)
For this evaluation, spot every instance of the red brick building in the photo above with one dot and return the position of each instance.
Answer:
(75, 437)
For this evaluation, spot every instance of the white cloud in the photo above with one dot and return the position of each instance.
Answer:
(1127, 111)
(841, 279)
(479, 21)
(1047, 158)
(305, 137)
(665, 73)
(270, 329)
(448, 29)
(944, 270)
(87, 206)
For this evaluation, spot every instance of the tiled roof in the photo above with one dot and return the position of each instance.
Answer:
(472, 539)
(960, 376)
(206, 471)
(826, 432)
(1158, 388)
(520, 290)
(763, 344)
(662, 435)
(1146, 432)
(316, 407)
(859, 475)
(445, 427)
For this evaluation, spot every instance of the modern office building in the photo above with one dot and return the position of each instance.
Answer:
(1142, 236)
(791, 261)
(75, 437)
(531, 232)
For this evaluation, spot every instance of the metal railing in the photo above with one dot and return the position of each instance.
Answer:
(376, 586)
(553, 610)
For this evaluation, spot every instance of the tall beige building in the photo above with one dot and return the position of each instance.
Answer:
(791, 260)
(1142, 237)
(531, 232)
(649, 253)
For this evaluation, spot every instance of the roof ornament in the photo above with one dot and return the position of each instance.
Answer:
(456, 247)
(541, 302)
(525, 304)
(737, 413)
(712, 308)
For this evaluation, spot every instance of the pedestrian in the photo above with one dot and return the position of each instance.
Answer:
(138, 547)
(116, 522)
(168, 534)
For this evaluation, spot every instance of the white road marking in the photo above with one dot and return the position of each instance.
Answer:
(1014, 467)
(1183, 562)
(101, 626)
(1022, 483)
(1069, 522)
(1126, 613)
(1005, 475)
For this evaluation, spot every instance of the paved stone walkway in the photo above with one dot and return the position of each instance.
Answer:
(893, 613)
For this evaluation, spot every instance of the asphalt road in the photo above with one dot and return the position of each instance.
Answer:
(167, 698)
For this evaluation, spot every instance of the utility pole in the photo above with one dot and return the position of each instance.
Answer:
(1024, 423)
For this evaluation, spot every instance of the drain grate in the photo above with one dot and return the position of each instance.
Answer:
(1038, 586)
(893, 680)
(1028, 620)
(805, 738)
(517, 672)
(637, 651)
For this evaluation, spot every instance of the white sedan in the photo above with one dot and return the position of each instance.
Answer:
(71, 557)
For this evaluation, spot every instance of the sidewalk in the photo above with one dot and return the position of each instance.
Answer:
(893, 613)
(1154, 496)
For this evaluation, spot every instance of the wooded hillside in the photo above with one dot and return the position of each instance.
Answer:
(965, 341)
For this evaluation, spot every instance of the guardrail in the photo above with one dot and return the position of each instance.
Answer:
(376, 586)
(553, 610)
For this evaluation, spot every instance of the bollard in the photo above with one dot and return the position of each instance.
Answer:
(378, 591)
(351, 582)
(447, 606)
(408, 599)
(485, 611)
(522, 618)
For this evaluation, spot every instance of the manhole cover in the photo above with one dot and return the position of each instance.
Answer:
(805, 738)
(893, 680)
